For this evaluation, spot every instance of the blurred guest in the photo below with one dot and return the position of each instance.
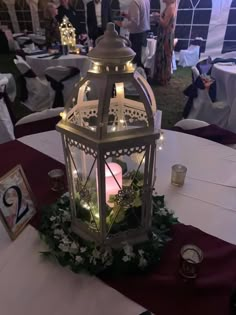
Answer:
(138, 24)
(52, 32)
(165, 43)
(98, 15)
(65, 9)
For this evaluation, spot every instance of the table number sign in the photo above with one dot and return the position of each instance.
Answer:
(16, 201)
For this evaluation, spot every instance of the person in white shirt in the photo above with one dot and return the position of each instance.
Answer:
(137, 21)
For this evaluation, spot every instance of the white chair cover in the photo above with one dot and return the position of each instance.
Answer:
(6, 125)
(204, 109)
(188, 124)
(59, 73)
(10, 86)
(40, 94)
(45, 114)
(189, 57)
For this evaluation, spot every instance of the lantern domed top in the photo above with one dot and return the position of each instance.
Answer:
(112, 48)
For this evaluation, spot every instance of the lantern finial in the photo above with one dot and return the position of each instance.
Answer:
(111, 49)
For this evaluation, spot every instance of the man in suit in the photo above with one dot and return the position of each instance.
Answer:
(99, 13)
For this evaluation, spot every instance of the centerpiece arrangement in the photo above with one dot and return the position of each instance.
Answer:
(110, 219)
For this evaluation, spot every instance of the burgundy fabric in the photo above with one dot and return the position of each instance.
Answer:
(36, 166)
(161, 291)
(211, 132)
(36, 126)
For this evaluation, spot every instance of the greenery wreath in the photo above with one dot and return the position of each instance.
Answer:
(80, 255)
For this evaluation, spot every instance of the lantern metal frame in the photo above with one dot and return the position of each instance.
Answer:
(112, 71)
(67, 33)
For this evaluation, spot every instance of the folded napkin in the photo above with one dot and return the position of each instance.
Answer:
(48, 56)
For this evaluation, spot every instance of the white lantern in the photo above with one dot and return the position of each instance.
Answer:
(110, 145)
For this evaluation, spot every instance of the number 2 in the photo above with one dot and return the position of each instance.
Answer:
(19, 215)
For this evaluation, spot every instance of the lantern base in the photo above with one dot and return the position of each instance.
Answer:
(82, 255)
(117, 241)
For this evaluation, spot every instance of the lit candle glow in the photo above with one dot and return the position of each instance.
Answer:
(113, 185)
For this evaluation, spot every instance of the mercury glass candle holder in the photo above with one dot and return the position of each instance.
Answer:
(178, 175)
(191, 257)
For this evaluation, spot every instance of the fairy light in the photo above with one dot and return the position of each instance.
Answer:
(63, 115)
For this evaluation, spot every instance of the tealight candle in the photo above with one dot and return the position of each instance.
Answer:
(191, 257)
(178, 174)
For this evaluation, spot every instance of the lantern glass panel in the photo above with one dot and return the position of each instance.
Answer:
(84, 176)
(124, 189)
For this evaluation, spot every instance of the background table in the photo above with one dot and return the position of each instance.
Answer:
(39, 65)
(225, 76)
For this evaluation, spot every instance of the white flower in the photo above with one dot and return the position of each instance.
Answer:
(79, 259)
(53, 218)
(59, 232)
(142, 262)
(126, 258)
(64, 248)
(154, 236)
(141, 252)
(128, 249)
(96, 254)
(162, 211)
(65, 240)
(74, 246)
(83, 249)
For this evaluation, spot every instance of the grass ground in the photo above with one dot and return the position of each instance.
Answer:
(170, 99)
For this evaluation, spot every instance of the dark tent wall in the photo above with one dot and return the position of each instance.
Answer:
(4, 15)
(193, 21)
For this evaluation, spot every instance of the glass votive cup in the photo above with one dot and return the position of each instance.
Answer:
(191, 257)
(178, 175)
(57, 180)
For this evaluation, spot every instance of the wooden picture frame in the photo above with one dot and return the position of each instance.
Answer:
(17, 203)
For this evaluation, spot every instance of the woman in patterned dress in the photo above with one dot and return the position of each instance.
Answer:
(165, 43)
(52, 32)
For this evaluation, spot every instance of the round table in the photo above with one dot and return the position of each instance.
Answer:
(39, 65)
(206, 201)
(225, 76)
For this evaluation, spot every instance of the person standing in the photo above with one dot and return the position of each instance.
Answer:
(138, 24)
(65, 9)
(165, 43)
(99, 13)
(52, 32)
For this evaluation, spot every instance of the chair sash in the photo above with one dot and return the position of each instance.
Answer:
(58, 87)
(211, 132)
(24, 91)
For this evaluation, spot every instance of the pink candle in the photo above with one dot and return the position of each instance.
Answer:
(113, 185)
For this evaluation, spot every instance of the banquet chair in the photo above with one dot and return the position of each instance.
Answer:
(63, 81)
(6, 123)
(36, 94)
(204, 106)
(189, 57)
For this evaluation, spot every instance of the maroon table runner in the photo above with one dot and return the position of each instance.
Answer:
(36, 166)
(161, 291)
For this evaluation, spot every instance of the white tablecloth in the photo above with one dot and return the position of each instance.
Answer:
(39, 65)
(209, 191)
(225, 76)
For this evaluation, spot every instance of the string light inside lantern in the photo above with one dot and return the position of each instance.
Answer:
(67, 31)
